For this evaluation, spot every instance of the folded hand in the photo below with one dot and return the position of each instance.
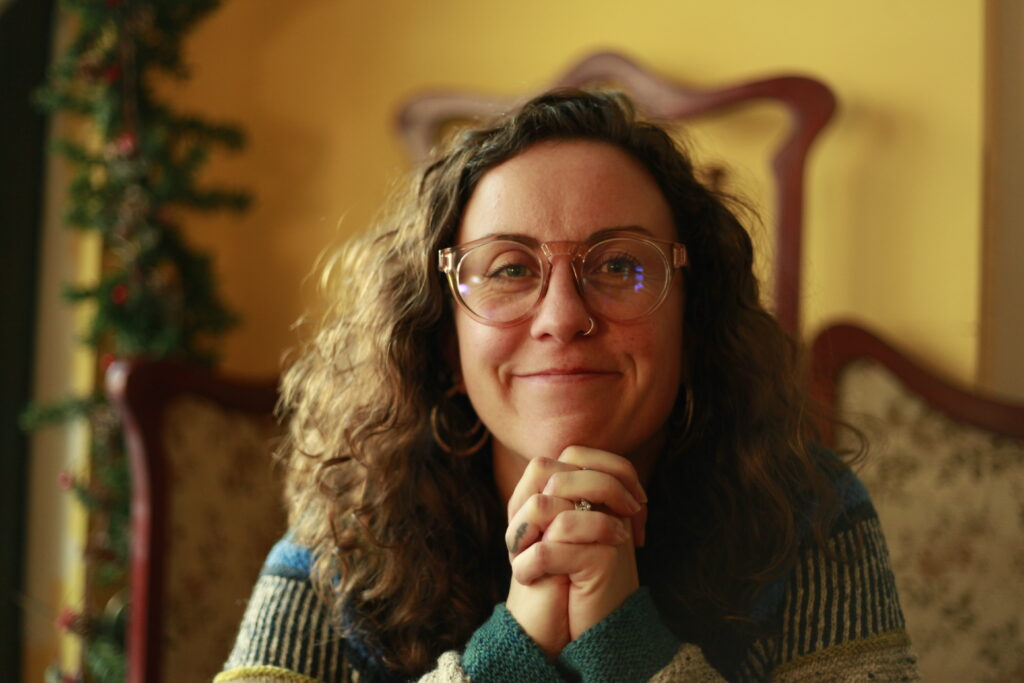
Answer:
(571, 568)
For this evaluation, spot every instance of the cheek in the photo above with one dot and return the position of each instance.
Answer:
(659, 361)
(482, 350)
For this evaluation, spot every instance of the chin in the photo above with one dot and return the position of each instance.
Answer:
(550, 437)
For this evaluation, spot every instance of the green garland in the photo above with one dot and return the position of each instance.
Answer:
(133, 175)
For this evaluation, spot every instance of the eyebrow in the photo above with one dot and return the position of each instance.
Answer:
(595, 237)
(621, 228)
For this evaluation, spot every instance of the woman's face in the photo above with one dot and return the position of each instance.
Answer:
(541, 385)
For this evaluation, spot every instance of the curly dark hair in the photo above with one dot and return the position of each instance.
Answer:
(408, 539)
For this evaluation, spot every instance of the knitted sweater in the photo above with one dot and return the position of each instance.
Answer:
(831, 620)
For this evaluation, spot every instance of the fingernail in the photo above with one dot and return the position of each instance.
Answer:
(643, 495)
(621, 534)
(636, 507)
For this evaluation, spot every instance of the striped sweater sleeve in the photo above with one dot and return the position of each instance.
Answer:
(286, 632)
(841, 618)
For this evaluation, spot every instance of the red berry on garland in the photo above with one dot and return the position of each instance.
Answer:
(112, 73)
(65, 480)
(113, 3)
(67, 618)
(105, 360)
(119, 294)
(74, 622)
(125, 144)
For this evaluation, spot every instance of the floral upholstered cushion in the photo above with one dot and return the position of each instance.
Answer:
(225, 512)
(951, 501)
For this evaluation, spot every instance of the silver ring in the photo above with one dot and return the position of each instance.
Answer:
(593, 326)
(584, 505)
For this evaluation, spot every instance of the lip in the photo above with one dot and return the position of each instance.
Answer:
(566, 375)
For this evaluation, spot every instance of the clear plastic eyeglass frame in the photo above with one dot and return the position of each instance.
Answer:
(449, 261)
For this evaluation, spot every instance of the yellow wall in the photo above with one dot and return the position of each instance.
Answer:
(894, 203)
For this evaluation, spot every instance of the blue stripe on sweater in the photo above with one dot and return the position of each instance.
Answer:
(852, 491)
(289, 560)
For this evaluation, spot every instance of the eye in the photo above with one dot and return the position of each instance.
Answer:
(621, 263)
(510, 270)
(511, 264)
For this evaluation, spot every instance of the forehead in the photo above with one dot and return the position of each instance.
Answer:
(566, 190)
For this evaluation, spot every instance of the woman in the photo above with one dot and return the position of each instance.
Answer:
(590, 458)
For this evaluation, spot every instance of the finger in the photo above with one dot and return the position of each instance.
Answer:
(595, 486)
(535, 476)
(579, 527)
(604, 461)
(530, 520)
(547, 558)
(520, 535)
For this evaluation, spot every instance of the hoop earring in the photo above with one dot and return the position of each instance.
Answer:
(455, 444)
(590, 330)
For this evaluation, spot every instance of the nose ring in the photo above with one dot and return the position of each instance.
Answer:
(593, 326)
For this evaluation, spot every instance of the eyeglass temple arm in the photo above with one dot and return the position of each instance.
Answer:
(444, 260)
(678, 255)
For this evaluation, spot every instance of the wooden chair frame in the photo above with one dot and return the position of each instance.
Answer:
(841, 344)
(142, 391)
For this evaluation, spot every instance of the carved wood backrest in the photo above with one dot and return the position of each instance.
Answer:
(206, 507)
(809, 103)
(945, 468)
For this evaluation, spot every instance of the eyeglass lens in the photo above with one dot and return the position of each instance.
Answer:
(621, 279)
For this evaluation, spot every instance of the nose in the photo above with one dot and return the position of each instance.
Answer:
(562, 314)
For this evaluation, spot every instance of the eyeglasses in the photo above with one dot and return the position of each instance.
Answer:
(621, 276)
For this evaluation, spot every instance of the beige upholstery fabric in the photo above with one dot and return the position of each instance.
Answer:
(951, 501)
(225, 513)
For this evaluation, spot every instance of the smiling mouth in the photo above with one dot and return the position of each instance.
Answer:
(566, 376)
